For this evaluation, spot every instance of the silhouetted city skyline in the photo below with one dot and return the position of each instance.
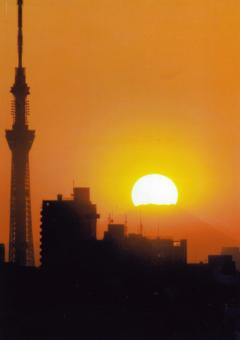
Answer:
(111, 104)
(127, 284)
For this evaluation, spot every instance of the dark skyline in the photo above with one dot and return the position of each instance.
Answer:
(134, 87)
(135, 98)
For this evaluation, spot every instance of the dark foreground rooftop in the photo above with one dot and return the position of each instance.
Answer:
(143, 302)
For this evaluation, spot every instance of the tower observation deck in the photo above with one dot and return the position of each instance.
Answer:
(20, 140)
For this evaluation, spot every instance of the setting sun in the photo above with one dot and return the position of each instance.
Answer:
(154, 189)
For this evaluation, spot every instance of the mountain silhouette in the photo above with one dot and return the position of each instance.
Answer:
(174, 222)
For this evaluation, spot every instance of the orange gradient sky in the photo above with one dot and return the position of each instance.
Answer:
(123, 88)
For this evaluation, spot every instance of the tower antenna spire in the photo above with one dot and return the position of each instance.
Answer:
(20, 139)
(20, 33)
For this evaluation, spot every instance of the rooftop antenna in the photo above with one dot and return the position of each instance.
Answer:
(126, 222)
(140, 225)
(73, 185)
(110, 219)
(158, 230)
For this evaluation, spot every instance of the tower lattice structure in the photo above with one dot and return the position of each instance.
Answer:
(20, 140)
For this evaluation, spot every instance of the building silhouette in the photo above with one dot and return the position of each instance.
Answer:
(234, 252)
(65, 223)
(158, 250)
(68, 238)
(2, 253)
(115, 232)
(221, 264)
(20, 140)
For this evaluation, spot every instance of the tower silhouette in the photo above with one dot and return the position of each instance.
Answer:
(20, 140)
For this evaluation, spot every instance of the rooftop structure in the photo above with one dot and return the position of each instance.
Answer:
(235, 253)
(115, 232)
(65, 223)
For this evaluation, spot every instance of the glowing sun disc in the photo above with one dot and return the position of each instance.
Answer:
(154, 189)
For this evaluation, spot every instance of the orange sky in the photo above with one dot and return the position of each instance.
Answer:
(123, 88)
